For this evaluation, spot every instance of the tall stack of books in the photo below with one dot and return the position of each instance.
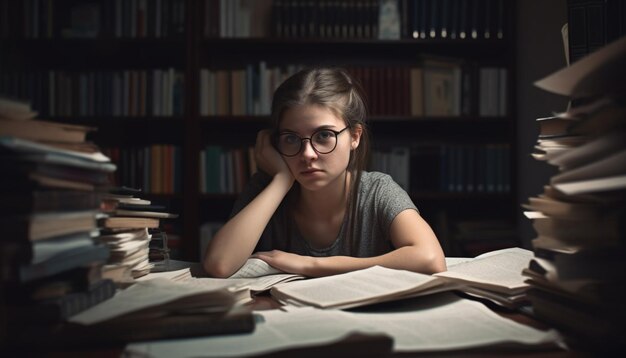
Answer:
(131, 230)
(578, 273)
(50, 265)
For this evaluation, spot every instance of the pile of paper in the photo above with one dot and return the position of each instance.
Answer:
(50, 264)
(131, 229)
(578, 274)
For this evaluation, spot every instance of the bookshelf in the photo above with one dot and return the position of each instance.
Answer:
(199, 39)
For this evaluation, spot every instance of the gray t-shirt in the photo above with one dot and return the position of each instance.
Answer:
(379, 201)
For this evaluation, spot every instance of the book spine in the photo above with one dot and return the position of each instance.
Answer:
(59, 309)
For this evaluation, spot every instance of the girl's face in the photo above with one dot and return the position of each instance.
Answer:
(310, 168)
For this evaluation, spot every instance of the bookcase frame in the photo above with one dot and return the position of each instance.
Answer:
(193, 52)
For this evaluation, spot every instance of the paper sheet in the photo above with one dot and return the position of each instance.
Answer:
(143, 295)
(355, 288)
(496, 268)
(255, 268)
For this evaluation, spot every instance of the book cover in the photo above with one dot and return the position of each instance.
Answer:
(47, 225)
(40, 201)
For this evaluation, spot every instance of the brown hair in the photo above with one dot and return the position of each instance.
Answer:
(335, 89)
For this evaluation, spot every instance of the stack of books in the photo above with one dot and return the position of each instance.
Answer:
(130, 229)
(50, 265)
(578, 273)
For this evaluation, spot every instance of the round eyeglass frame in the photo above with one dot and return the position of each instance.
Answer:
(337, 133)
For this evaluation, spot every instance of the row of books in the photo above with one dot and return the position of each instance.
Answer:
(239, 92)
(45, 19)
(577, 274)
(434, 88)
(473, 237)
(470, 168)
(358, 19)
(156, 168)
(158, 92)
(453, 19)
(593, 24)
(483, 168)
(225, 170)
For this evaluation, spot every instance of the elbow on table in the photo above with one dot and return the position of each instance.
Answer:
(434, 263)
(217, 268)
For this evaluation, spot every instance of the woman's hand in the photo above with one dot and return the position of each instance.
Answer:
(287, 262)
(267, 157)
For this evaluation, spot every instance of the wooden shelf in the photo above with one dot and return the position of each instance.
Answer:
(107, 53)
(371, 49)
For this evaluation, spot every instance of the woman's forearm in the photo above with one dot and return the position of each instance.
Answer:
(404, 258)
(235, 241)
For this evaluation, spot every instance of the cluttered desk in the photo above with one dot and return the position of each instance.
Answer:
(372, 312)
(574, 277)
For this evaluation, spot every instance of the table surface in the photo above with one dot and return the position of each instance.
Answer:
(355, 345)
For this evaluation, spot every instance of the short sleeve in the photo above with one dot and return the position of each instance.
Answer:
(390, 200)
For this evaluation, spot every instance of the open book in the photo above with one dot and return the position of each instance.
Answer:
(496, 276)
(359, 288)
(161, 308)
(258, 276)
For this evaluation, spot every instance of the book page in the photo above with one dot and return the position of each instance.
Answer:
(500, 270)
(451, 261)
(355, 288)
(448, 322)
(148, 294)
(177, 275)
(255, 284)
(255, 268)
(432, 323)
(593, 185)
(260, 284)
(598, 72)
(276, 330)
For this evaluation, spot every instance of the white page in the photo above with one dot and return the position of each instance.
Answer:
(593, 185)
(255, 268)
(141, 295)
(277, 330)
(354, 287)
(447, 322)
(598, 72)
(612, 164)
(178, 275)
(255, 284)
(451, 261)
(264, 283)
(432, 323)
(502, 268)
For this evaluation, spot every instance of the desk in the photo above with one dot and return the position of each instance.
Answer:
(357, 345)
(265, 302)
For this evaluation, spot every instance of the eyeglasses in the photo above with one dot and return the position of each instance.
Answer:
(322, 141)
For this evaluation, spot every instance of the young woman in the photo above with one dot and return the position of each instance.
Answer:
(312, 209)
